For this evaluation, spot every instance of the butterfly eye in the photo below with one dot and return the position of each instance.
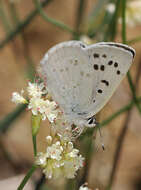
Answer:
(90, 120)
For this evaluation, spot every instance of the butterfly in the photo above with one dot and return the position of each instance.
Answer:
(81, 78)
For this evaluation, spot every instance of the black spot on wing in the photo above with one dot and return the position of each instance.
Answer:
(99, 91)
(105, 82)
(104, 55)
(95, 67)
(102, 67)
(118, 72)
(110, 62)
(115, 64)
(96, 55)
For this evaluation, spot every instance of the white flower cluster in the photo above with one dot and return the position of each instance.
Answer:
(38, 103)
(85, 187)
(18, 98)
(85, 39)
(133, 12)
(110, 8)
(60, 159)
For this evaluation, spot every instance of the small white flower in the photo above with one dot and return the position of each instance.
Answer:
(60, 159)
(74, 153)
(49, 139)
(51, 111)
(35, 89)
(55, 151)
(133, 13)
(37, 105)
(84, 187)
(85, 39)
(110, 8)
(41, 159)
(18, 98)
(45, 107)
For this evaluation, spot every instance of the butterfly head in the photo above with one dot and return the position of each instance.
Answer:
(87, 122)
(91, 122)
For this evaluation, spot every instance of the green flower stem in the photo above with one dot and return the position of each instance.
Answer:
(14, 15)
(133, 92)
(36, 121)
(116, 114)
(4, 18)
(21, 26)
(133, 41)
(16, 20)
(34, 144)
(124, 21)
(80, 12)
(124, 41)
(27, 177)
(57, 23)
(10, 118)
(112, 28)
(112, 117)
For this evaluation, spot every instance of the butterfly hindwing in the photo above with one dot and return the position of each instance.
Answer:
(67, 69)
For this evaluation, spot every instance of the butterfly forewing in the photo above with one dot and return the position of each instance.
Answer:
(110, 63)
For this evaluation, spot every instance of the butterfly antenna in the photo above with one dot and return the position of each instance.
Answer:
(101, 137)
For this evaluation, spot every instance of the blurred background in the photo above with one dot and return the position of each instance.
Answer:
(25, 36)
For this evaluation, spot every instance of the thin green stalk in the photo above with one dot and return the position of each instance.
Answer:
(4, 18)
(113, 116)
(36, 121)
(112, 28)
(96, 12)
(10, 118)
(27, 177)
(34, 145)
(16, 20)
(124, 41)
(14, 15)
(116, 114)
(88, 146)
(71, 184)
(135, 40)
(22, 25)
(40, 183)
(57, 23)
(80, 14)
(6, 122)
(133, 92)
(121, 137)
(124, 21)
